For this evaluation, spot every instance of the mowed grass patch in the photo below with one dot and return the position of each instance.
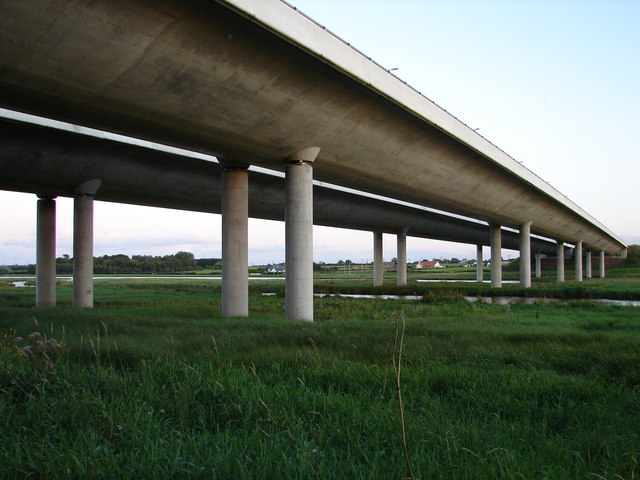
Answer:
(160, 386)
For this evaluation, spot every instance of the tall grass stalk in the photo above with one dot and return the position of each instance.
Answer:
(396, 360)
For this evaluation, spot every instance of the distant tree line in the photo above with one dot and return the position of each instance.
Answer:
(115, 264)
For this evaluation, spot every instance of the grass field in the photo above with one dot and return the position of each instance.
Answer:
(152, 383)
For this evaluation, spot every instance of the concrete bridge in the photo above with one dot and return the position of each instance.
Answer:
(257, 83)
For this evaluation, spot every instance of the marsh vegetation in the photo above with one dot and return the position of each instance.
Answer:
(152, 383)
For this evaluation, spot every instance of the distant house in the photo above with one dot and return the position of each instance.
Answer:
(275, 270)
(389, 266)
(429, 264)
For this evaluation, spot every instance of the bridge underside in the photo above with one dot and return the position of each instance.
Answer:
(52, 162)
(226, 79)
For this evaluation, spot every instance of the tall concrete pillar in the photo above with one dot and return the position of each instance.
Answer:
(538, 257)
(525, 255)
(299, 234)
(479, 260)
(560, 264)
(235, 259)
(587, 263)
(46, 253)
(578, 254)
(496, 255)
(378, 266)
(402, 257)
(601, 266)
(83, 243)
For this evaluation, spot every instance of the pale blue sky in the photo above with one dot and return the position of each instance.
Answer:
(556, 84)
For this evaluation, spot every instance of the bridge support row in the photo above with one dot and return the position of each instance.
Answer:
(298, 254)
(525, 259)
(299, 245)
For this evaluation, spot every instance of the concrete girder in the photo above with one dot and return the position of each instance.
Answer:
(50, 161)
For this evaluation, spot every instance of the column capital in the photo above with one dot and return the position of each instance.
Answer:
(89, 187)
(42, 196)
(232, 164)
(304, 155)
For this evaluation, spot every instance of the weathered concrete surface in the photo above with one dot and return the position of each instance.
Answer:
(525, 255)
(479, 264)
(560, 260)
(378, 263)
(253, 81)
(299, 241)
(235, 242)
(46, 253)
(44, 160)
(401, 257)
(83, 251)
(577, 252)
(496, 256)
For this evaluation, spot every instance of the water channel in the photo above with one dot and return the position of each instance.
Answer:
(491, 300)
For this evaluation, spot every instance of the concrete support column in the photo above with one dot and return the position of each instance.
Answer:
(525, 255)
(378, 266)
(601, 266)
(587, 262)
(479, 260)
(402, 257)
(560, 264)
(83, 251)
(46, 253)
(299, 234)
(496, 255)
(538, 257)
(578, 254)
(235, 259)
(83, 243)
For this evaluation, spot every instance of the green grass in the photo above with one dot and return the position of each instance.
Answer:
(154, 384)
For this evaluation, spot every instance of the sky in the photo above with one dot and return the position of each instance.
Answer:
(554, 83)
